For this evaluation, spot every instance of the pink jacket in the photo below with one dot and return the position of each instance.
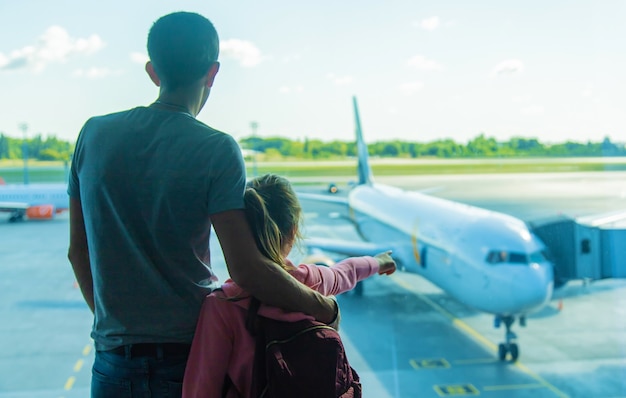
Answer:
(222, 345)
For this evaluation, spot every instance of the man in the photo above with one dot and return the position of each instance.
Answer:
(146, 184)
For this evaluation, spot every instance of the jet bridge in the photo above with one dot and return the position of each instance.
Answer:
(592, 247)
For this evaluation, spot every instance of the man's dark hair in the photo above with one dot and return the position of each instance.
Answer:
(182, 47)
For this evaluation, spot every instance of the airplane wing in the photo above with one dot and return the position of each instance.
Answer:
(348, 248)
(323, 198)
(13, 206)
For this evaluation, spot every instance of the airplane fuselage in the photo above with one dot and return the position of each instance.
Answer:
(458, 247)
(34, 199)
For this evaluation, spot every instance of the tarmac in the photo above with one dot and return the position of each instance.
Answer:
(404, 336)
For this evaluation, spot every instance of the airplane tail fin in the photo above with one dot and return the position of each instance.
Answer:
(365, 172)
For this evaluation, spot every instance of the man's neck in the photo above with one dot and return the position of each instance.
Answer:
(183, 100)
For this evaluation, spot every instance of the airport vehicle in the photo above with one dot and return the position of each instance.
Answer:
(487, 260)
(33, 201)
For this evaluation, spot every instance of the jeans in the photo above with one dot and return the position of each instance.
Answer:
(117, 376)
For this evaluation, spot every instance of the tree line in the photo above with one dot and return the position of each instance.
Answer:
(276, 148)
(479, 147)
(49, 148)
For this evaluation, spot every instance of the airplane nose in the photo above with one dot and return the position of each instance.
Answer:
(540, 286)
(522, 289)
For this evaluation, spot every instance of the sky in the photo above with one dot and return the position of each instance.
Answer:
(421, 70)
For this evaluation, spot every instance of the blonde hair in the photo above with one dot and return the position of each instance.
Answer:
(274, 214)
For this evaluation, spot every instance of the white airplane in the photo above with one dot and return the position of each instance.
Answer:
(35, 201)
(487, 260)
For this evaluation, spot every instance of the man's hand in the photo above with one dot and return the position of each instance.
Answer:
(335, 323)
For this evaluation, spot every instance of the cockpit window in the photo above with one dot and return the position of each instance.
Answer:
(518, 258)
(538, 257)
(495, 257)
(500, 256)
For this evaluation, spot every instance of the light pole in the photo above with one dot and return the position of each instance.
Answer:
(24, 128)
(254, 126)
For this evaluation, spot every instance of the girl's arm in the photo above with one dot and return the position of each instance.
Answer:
(339, 278)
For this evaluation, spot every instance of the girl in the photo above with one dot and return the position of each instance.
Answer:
(222, 346)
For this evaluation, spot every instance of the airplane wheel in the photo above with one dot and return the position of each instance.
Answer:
(514, 352)
(502, 351)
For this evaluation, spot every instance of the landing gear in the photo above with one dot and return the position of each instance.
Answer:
(16, 216)
(509, 346)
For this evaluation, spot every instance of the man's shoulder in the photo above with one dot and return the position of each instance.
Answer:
(210, 135)
(205, 128)
(110, 117)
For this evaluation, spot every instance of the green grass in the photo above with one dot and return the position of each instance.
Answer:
(433, 168)
(12, 171)
(35, 174)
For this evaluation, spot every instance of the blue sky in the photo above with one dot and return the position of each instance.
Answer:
(553, 70)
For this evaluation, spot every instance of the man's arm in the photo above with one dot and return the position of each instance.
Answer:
(78, 252)
(260, 276)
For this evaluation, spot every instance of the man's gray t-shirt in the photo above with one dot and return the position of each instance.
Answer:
(148, 180)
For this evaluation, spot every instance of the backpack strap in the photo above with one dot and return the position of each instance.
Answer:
(252, 319)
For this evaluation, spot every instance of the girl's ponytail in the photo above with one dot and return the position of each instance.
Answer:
(274, 213)
(265, 231)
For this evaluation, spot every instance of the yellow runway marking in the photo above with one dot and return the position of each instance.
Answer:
(513, 387)
(474, 361)
(457, 389)
(78, 365)
(429, 364)
(70, 382)
(475, 335)
(77, 368)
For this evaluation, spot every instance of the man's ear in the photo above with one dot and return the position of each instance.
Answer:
(152, 73)
(210, 76)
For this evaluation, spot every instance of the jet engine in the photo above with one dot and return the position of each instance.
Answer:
(40, 212)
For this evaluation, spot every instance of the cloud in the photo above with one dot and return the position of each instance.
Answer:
(588, 90)
(532, 110)
(411, 88)
(245, 52)
(291, 58)
(139, 57)
(96, 73)
(431, 23)
(508, 67)
(340, 80)
(423, 63)
(291, 89)
(55, 45)
(521, 98)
